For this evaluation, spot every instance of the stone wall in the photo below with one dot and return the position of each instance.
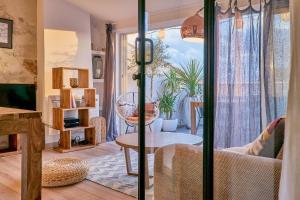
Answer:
(19, 64)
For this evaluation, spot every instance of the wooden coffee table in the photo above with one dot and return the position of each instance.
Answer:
(153, 142)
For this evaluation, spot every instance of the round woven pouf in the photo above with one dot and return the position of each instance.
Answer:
(64, 171)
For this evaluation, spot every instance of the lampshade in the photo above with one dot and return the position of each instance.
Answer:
(192, 29)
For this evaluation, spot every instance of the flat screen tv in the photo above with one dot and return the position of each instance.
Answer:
(21, 96)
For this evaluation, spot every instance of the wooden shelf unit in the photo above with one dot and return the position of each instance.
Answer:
(65, 142)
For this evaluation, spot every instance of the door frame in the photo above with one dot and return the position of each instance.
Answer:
(208, 134)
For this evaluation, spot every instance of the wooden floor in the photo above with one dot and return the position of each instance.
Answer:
(10, 178)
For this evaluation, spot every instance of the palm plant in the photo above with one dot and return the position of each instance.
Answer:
(166, 104)
(190, 77)
(171, 82)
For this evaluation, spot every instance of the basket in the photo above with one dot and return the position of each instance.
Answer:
(64, 171)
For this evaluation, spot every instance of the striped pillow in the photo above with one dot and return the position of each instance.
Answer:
(270, 141)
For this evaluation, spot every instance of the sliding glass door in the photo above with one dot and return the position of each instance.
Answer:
(212, 87)
(175, 100)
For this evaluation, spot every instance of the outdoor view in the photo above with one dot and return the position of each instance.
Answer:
(174, 79)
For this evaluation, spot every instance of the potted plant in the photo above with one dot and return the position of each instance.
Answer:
(166, 107)
(168, 99)
(190, 78)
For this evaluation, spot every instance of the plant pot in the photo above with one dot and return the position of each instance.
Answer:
(156, 126)
(187, 111)
(170, 125)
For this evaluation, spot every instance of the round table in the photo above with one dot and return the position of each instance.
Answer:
(153, 142)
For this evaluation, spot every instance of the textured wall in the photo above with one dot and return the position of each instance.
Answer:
(18, 65)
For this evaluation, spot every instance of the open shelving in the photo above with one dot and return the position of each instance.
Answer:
(66, 105)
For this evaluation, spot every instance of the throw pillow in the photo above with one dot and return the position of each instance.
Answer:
(270, 141)
(280, 154)
(127, 110)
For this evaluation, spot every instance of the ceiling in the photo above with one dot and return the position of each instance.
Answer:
(118, 10)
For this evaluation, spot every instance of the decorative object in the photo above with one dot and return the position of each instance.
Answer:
(110, 171)
(64, 171)
(78, 102)
(6, 33)
(98, 67)
(66, 104)
(192, 29)
(74, 82)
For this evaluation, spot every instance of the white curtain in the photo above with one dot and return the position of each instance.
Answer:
(290, 176)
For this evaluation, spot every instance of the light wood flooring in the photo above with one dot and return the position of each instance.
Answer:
(10, 178)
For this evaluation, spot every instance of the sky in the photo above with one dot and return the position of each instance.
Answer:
(179, 50)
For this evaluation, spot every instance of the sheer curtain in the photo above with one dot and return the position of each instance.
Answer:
(238, 77)
(251, 91)
(276, 58)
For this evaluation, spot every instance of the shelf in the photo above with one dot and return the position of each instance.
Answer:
(77, 108)
(75, 148)
(59, 73)
(102, 53)
(78, 88)
(98, 80)
(77, 128)
(59, 77)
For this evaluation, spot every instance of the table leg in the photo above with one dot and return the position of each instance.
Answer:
(128, 163)
(32, 145)
(147, 176)
(193, 119)
(129, 167)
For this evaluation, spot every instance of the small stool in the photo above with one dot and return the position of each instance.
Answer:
(64, 171)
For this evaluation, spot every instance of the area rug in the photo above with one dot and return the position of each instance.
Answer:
(110, 171)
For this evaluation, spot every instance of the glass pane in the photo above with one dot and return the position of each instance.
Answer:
(174, 108)
(252, 63)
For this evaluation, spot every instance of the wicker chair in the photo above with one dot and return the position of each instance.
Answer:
(127, 109)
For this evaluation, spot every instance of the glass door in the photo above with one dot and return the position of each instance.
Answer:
(203, 84)
(175, 102)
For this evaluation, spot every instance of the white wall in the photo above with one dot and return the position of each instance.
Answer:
(67, 42)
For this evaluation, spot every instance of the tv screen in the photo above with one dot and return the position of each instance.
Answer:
(21, 96)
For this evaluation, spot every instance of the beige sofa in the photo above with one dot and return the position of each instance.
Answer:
(178, 175)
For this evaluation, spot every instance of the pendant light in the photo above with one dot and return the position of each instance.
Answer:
(192, 29)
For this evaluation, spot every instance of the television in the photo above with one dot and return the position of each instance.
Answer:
(22, 96)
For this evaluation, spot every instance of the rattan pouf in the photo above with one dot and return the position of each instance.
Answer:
(64, 171)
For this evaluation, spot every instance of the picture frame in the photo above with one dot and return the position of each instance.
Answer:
(6, 33)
